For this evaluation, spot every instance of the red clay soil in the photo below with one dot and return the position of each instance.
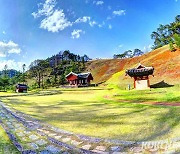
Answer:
(165, 62)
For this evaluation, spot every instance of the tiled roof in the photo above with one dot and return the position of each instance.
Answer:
(84, 75)
(140, 70)
(80, 75)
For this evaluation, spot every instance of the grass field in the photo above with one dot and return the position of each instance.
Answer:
(5, 144)
(106, 113)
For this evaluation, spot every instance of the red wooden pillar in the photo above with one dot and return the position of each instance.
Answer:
(148, 81)
(134, 82)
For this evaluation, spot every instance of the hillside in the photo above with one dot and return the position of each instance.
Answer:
(112, 71)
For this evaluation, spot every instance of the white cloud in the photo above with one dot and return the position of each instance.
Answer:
(56, 22)
(119, 12)
(83, 19)
(76, 33)
(98, 2)
(109, 7)
(86, 19)
(92, 23)
(147, 48)
(101, 25)
(110, 26)
(4, 32)
(8, 48)
(11, 64)
(120, 46)
(47, 9)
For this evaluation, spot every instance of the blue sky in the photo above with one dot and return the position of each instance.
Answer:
(36, 29)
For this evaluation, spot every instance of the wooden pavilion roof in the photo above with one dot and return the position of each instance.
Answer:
(140, 70)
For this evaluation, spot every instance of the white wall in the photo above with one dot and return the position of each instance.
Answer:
(141, 84)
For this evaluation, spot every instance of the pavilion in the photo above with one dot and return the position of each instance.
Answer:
(141, 76)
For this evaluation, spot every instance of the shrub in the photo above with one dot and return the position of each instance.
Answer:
(177, 40)
(171, 47)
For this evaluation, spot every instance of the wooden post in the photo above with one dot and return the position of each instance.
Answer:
(134, 83)
(148, 81)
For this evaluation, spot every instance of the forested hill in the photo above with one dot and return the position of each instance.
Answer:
(52, 71)
(112, 71)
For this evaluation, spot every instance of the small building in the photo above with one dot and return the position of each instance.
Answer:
(80, 80)
(21, 88)
(141, 76)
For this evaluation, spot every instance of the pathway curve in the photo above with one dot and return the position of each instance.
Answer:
(31, 136)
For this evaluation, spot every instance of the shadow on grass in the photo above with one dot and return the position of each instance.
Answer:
(93, 114)
(172, 118)
(161, 84)
(89, 116)
(33, 94)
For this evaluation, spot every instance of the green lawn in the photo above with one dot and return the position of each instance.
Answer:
(106, 113)
(5, 144)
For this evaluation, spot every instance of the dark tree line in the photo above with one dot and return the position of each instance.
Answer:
(166, 34)
(9, 78)
(129, 54)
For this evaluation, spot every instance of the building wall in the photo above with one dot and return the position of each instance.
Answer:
(142, 84)
(71, 77)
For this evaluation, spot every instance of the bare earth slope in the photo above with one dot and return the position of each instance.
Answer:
(112, 71)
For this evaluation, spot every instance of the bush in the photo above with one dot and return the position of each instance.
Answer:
(171, 47)
(177, 40)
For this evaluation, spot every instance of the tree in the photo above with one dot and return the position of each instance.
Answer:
(164, 33)
(23, 74)
(4, 82)
(62, 79)
(24, 67)
(177, 40)
(86, 58)
(5, 70)
(128, 54)
(66, 54)
(38, 70)
(171, 47)
(137, 52)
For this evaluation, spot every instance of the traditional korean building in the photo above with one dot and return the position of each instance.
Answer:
(20, 88)
(141, 76)
(81, 79)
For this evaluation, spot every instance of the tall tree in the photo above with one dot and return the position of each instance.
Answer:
(5, 70)
(137, 52)
(164, 33)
